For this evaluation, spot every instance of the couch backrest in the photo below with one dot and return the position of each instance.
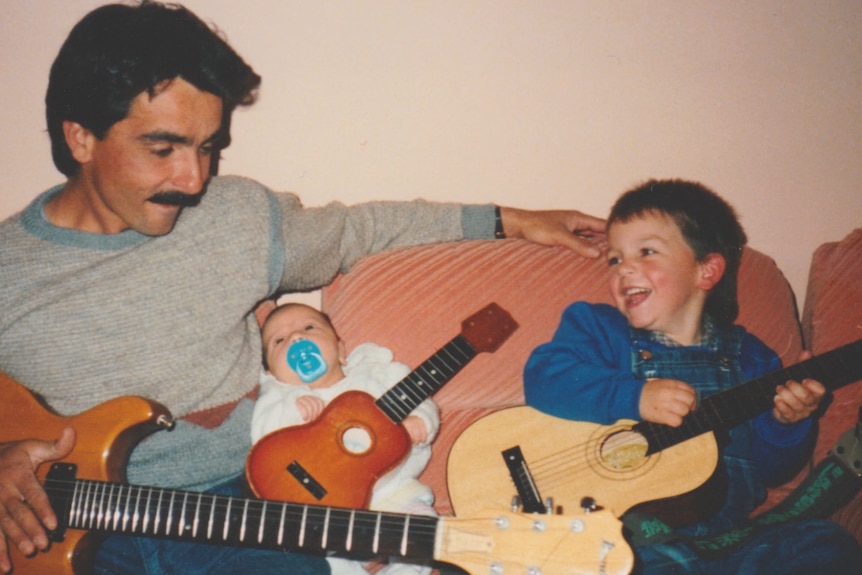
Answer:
(413, 300)
(832, 317)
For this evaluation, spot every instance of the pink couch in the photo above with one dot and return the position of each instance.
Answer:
(413, 301)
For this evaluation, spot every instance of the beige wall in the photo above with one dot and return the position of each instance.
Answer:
(528, 103)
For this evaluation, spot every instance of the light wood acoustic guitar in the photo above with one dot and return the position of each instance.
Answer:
(88, 493)
(547, 461)
(337, 458)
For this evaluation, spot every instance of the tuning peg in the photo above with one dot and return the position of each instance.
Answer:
(588, 504)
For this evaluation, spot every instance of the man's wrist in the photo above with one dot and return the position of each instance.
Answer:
(499, 232)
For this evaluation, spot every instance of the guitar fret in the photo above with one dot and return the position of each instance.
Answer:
(302, 526)
(280, 538)
(244, 521)
(182, 523)
(325, 536)
(262, 523)
(170, 520)
(100, 505)
(404, 536)
(136, 516)
(146, 523)
(158, 518)
(196, 521)
(227, 519)
(376, 545)
(211, 522)
(349, 543)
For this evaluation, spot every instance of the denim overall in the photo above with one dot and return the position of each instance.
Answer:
(803, 547)
(709, 368)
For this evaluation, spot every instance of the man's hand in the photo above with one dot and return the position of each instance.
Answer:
(24, 505)
(667, 401)
(795, 401)
(579, 232)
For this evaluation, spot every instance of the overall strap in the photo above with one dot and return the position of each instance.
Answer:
(828, 487)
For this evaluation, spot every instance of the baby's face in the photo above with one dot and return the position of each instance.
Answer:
(293, 323)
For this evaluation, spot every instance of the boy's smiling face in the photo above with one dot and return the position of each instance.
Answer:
(655, 279)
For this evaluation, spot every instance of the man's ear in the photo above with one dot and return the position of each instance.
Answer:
(80, 141)
(711, 271)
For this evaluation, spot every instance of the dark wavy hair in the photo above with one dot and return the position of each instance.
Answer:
(708, 224)
(117, 52)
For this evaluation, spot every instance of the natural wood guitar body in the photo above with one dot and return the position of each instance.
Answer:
(570, 461)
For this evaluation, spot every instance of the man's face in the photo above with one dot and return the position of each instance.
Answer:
(150, 164)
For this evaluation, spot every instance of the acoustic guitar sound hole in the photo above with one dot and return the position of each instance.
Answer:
(624, 450)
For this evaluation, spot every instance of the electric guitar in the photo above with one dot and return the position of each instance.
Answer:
(101, 503)
(538, 458)
(337, 458)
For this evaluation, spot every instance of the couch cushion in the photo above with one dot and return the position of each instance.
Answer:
(832, 317)
(413, 300)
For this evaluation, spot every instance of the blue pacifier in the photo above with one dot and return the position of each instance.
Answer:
(304, 357)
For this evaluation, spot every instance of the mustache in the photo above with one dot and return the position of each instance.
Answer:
(176, 199)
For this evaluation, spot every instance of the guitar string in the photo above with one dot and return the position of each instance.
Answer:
(554, 554)
(563, 467)
(224, 505)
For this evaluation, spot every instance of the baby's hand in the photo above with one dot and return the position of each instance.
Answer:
(795, 401)
(309, 407)
(416, 429)
(667, 401)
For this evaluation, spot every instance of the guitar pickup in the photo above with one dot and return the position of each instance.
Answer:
(306, 480)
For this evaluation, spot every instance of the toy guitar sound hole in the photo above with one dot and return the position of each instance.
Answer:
(356, 440)
(623, 450)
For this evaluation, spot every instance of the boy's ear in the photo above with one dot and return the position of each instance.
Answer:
(80, 141)
(711, 271)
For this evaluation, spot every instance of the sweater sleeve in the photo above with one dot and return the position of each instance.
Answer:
(314, 244)
(582, 373)
(779, 450)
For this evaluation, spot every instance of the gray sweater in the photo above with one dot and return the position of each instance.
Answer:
(88, 317)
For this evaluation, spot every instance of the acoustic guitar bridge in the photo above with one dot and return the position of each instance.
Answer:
(528, 492)
(306, 480)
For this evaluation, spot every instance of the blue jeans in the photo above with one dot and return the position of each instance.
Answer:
(126, 555)
(801, 548)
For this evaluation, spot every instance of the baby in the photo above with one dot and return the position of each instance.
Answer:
(305, 366)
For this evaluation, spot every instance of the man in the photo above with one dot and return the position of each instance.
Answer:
(139, 274)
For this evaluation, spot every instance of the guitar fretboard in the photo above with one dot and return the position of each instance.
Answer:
(736, 405)
(427, 379)
(218, 519)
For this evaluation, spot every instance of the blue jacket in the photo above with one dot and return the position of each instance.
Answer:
(586, 373)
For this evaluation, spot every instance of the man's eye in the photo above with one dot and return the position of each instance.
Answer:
(163, 152)
(613, 261)
(647, 251)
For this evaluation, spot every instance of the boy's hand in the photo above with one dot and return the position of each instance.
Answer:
(796, 401)
(667, 401)
(416, 429)
(309, 407)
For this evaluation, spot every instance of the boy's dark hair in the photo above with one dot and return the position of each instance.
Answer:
(117, 52)
(707, 222)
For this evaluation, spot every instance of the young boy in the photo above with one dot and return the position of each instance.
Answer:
(305, 367)
(674, 249)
